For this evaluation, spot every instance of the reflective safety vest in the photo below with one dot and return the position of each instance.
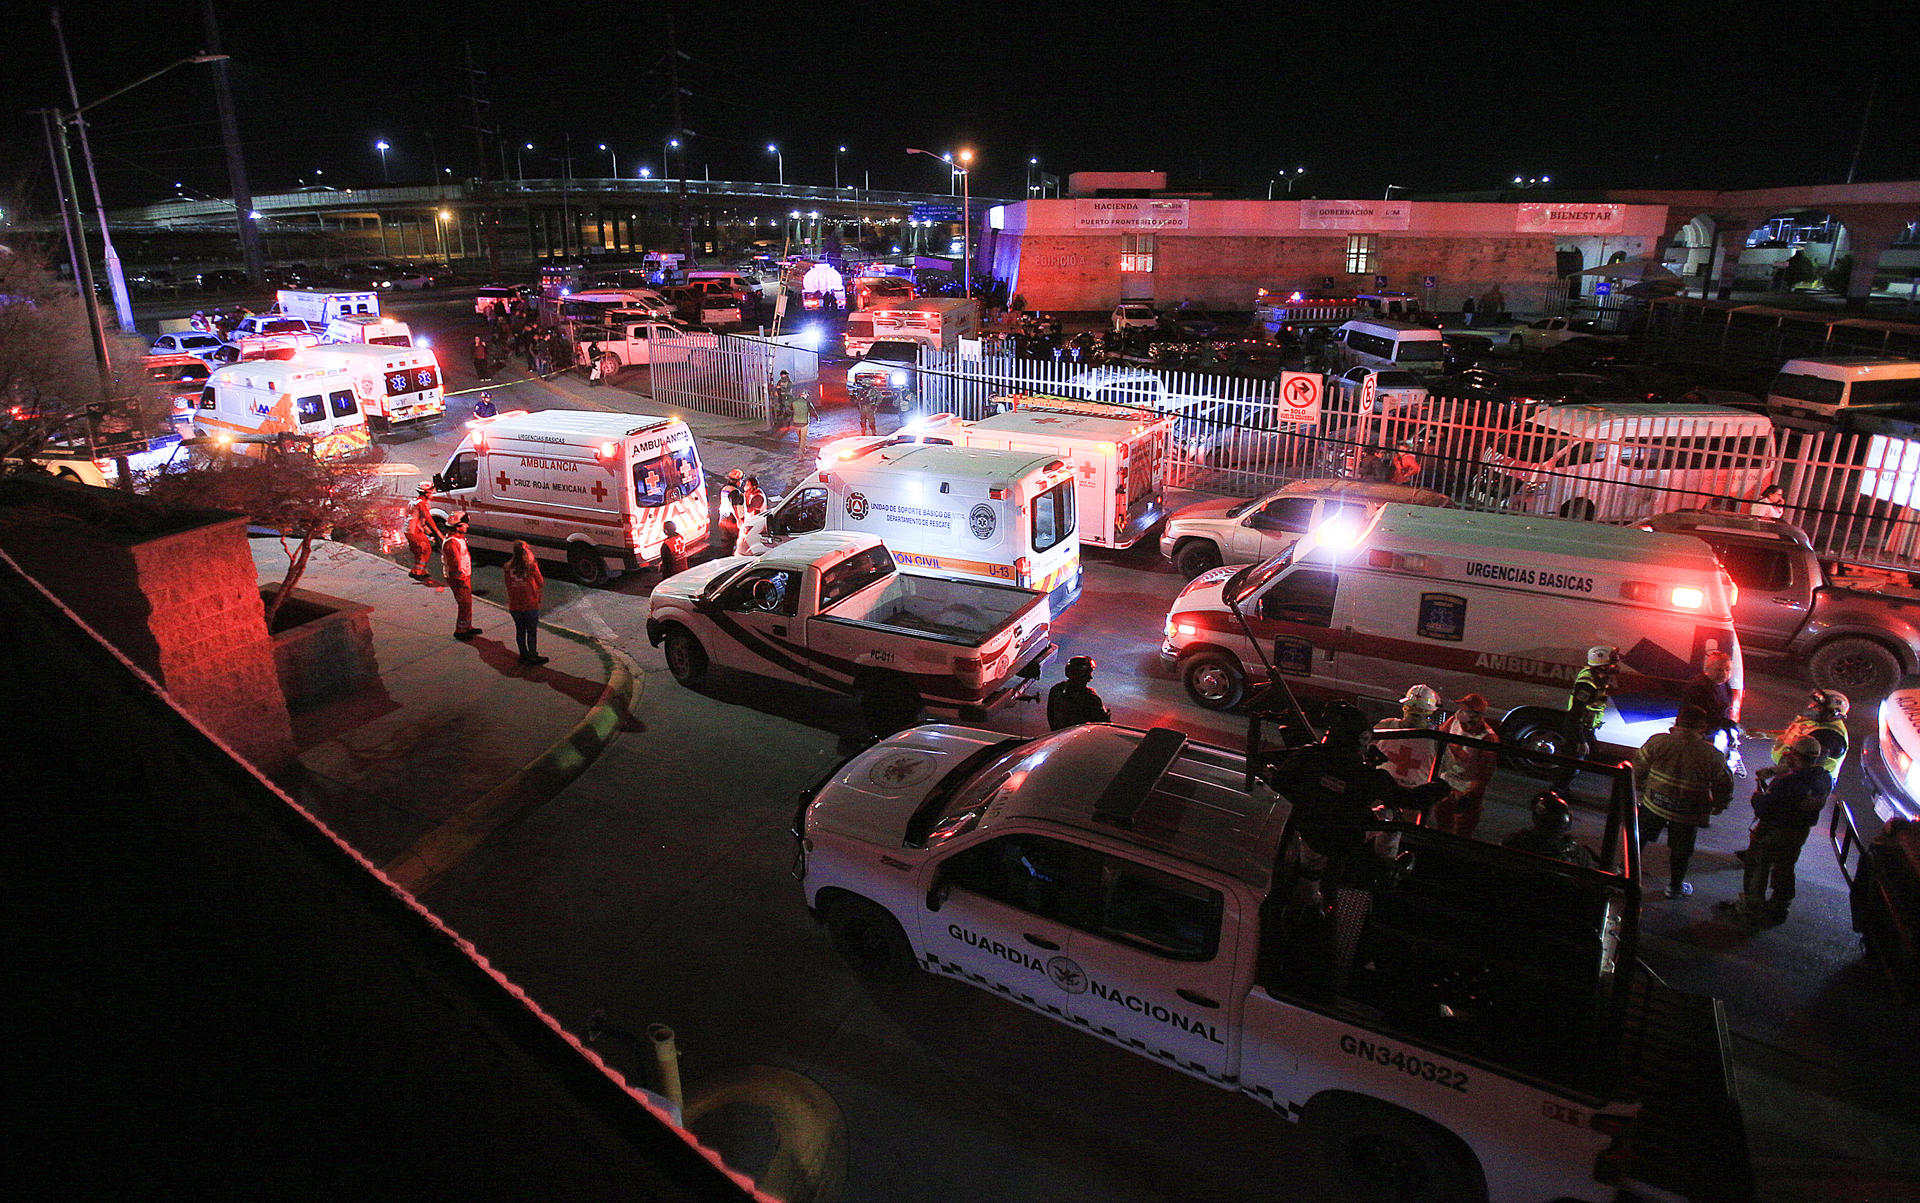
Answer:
(1595, 707)
(1802, 725)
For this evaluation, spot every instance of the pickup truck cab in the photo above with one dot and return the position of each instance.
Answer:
(618, 344)
(1858, 635)
(1201, 537)
(1444, 1042)
(833, 610)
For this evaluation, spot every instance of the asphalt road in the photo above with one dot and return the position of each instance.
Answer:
(656, 888)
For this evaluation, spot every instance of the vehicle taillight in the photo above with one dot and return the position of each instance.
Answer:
(970, 672)
(1023, 571)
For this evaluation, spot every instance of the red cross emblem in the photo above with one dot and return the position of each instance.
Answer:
(1087, 470)
(1407, 760)
(501, 481)
(599, 491)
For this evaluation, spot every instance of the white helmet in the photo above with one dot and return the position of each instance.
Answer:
(1421, 698)
(1600, 654)
(1828, 704)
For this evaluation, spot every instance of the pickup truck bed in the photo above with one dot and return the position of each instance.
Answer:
(1671, 1058)
(966, 613)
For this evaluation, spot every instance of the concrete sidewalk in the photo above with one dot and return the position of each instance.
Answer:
(453, 739)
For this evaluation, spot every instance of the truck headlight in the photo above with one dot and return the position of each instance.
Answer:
(899, 380)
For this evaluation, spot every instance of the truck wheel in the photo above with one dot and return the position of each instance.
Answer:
(609, 363)
(1195, 557)
(869, 939)
(1516, 342)
(686, 659)
(1214, 680)
(1856, 666)
(1579, 509)
(586, 565)
(888, 703)
(1383, 1154)
(1538, 731)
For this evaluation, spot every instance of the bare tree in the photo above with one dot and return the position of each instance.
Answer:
(50, 386)
(293, 492)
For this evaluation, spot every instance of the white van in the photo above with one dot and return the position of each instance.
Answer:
(370, 329)
(935, 321)
(1623, 461)
(1496, 604)
(594, 490)
(1118, 454)
(319, 308)
(1811, 393)
(1384, 343)
(265, 397)
(394, 384)
(1006, 516)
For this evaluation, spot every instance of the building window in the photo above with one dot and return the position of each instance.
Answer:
(1136, 252)
(1363, 254)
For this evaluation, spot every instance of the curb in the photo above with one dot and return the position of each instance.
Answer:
(437, 852)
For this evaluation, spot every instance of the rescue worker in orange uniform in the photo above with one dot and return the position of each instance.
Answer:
(422, 530)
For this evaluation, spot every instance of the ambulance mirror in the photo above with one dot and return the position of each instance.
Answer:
(439, 483)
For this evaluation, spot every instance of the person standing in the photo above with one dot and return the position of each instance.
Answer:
(422, 529)
(1787, 800)
(1467, 771)
(1824, 719)
(1587, 705)
(1683, 782)
(780, 406)
(1771, 503)
(526, 586)
(1073, 701)
(1404, 468)
(752, 502)
(868, 409)
(1712, 692)
(456, 563)
(802, 411)
(1550, 834)
(482, 358)
(484, 407)
(1411, 760)
(733, 509)
(673, 552)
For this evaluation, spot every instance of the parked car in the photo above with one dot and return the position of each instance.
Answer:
(1583, 352)
(193, 342)
(1394, 389)
(1207, 534)
(1130, 315)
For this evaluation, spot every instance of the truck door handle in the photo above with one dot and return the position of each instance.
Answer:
(779, 630)
(1037, 942)
(1198, 1000)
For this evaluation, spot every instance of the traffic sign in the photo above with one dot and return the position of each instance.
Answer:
(1300, 398)
(1369, 392)
(1380, 282)
(1602, 288)
(932, 212)
(1433, 281)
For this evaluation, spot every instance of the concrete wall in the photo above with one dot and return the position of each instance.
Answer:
(176, 593)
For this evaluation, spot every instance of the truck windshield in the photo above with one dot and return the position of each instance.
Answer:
(1243, 584)
(1529, 446)
(954, 806)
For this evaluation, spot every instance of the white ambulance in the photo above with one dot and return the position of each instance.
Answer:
(1497, 604)
(395, 385)
(320, 308)
(1005, 516)
(278, 396)
(594, 490)
(368, 328)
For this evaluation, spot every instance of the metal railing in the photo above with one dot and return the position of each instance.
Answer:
(730, 374)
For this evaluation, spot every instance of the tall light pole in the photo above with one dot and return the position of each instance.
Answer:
(440, 225)
(519, 164)
(1288, 176)
(383, 148)
(1031, 164)
(836, 167)
(122, 303)
(615, 159)
(782, 160)
(671, 144)
(963, 171)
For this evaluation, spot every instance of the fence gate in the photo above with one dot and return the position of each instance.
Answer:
(731, 374)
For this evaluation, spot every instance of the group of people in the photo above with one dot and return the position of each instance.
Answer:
(526, 585)
(789, 409)
(542, 350)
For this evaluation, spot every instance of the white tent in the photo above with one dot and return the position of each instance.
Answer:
(821, 279)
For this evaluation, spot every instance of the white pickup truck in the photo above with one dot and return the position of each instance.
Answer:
(833, 610)
(621, 343)
(1551, 332)
(1464, 1022)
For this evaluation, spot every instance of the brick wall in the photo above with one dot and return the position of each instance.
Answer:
(175, 593)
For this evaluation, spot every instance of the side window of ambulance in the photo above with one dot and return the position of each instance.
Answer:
(1305, 596)
(343, 404)
(465, 472)
(1028, 872)
(1161, 913)
(310, 410)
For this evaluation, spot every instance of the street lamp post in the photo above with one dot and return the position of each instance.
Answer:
(836, 167)
(671, 144)
(964, 172)
(1031, 164)
(383, 148)
(440, 226)
(614, 158)
(116, 277)
(781, 159)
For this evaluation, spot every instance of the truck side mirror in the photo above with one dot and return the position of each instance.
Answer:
(937, 896)
(439, 483)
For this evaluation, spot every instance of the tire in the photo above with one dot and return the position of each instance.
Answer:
(686, 659)
(1382, 1154)
(1856, 667)
(609, 364)
(585, 565)
(869, 940)
(888, 703)
(1214, 680)
(1539, 730)
(1516, 342)
(1579, 509)
(1196, 556)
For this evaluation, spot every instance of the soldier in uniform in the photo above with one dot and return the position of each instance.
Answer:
(1073, 701)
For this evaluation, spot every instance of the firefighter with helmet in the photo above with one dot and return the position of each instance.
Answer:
(1824, 720)
(1587, 704)
(1073, 701)
(1551, 833)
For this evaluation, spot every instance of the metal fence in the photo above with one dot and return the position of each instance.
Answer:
(1854, 494)
(730, 374)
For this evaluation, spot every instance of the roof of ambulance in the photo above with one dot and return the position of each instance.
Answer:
(571, 421)
(1043, 422)
(1596, 544)
(276, 370)
(941, 459)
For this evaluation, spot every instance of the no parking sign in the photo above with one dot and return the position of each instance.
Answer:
(1300, 398)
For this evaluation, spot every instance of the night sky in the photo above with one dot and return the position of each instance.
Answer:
(1432, 97)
